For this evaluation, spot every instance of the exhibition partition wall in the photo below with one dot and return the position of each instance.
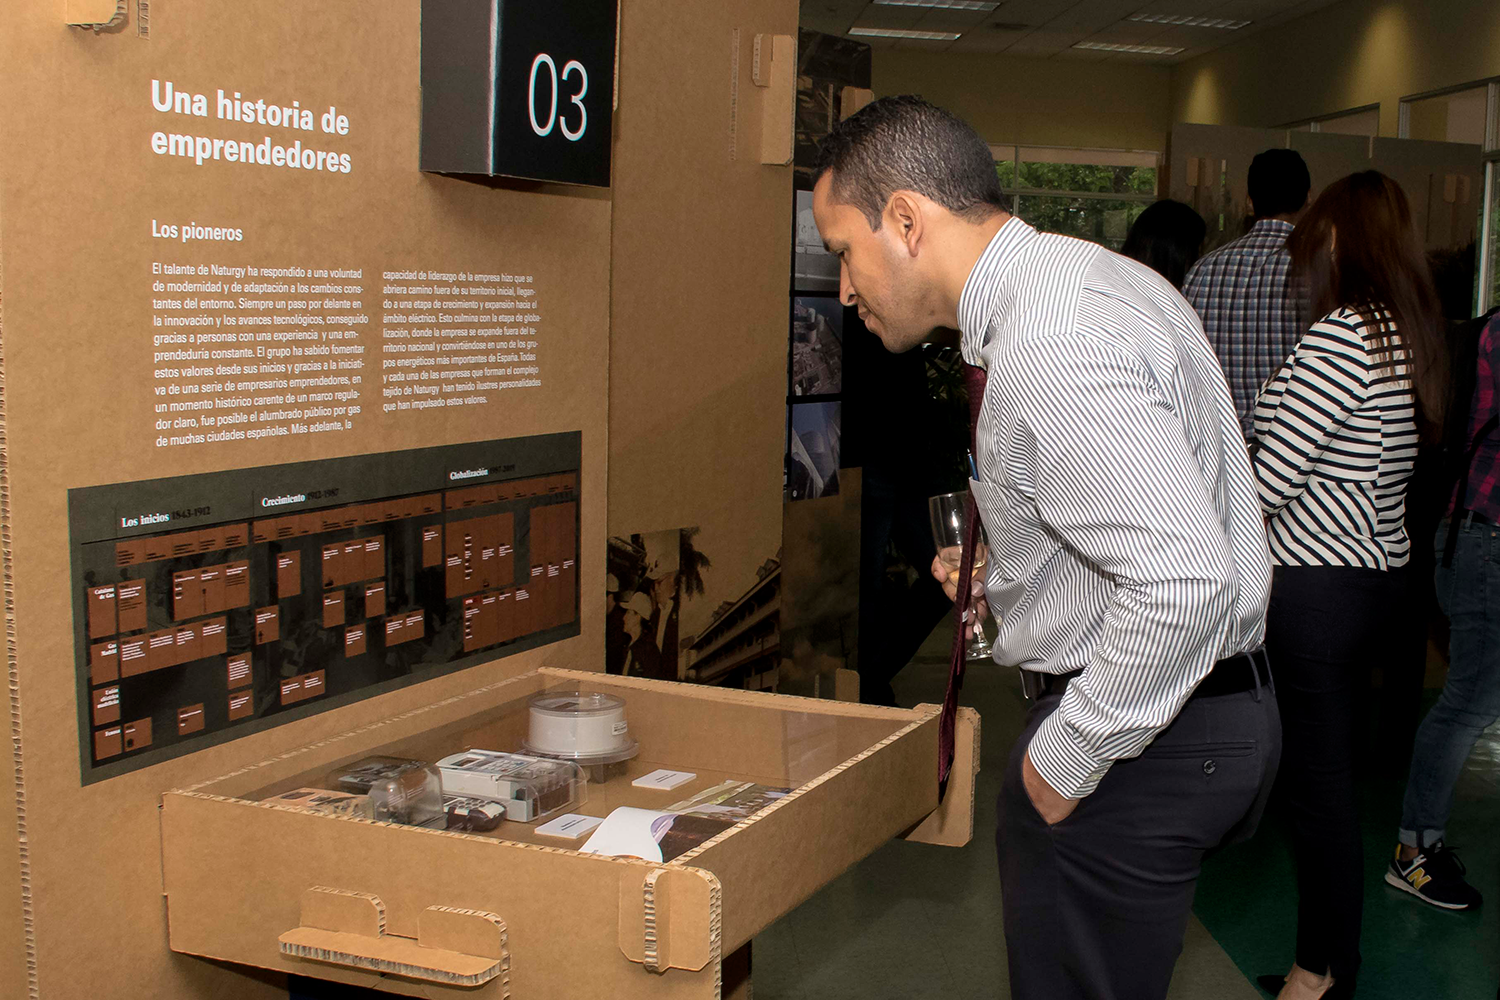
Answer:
(700, 250)
(1208, 165)
(253, 357)
(300, 438)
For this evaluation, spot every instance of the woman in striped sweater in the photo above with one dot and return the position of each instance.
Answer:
(1337, 430)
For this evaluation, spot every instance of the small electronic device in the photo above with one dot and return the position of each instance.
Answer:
(466, 812)
(401, 790)
(530, 787)
(325, 801)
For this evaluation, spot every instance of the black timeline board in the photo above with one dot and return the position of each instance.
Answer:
(212, 606)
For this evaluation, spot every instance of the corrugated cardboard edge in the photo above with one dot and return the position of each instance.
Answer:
(13, 675)
(437, 923)
(738, 696)
(97, 14)
(333, 909)
(443, 931)
(327, 948)
(330, 817)
(951, 824)
(684, 860)
(656, 899)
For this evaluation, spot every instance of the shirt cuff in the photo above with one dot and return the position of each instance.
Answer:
(1059, 757)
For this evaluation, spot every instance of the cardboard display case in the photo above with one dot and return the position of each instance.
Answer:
(510, 912)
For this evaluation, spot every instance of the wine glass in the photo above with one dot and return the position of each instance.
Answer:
(949, 514)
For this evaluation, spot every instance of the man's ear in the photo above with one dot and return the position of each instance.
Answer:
(904, 213)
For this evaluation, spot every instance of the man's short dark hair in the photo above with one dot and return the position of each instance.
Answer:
(906, 144)
(1279, 183)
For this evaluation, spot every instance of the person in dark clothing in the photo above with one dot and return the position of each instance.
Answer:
(644, 657)
(662, 628)
(616, 642)
(888, 409)
(1167, 237)
(1338, 428)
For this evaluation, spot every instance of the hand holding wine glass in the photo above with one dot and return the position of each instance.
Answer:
(949, 516)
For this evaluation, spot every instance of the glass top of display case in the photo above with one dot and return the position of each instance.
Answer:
(582, 761)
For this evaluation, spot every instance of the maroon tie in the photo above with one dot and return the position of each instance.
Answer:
(974, 381)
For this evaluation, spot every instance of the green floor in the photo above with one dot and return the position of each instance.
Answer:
(915, 922)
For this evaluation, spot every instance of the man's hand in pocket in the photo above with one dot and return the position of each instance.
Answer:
(1051, 806)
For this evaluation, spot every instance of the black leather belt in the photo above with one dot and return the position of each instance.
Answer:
(1474, 517)
(1231, 675)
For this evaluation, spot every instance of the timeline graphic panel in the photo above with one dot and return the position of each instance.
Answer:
(209, 607)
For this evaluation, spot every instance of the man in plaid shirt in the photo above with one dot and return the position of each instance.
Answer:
(1468, 587)
(1252, 316)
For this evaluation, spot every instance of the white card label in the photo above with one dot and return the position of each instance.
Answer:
(664, 780)
(570, 826)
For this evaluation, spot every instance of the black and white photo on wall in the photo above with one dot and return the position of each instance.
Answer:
(814, 269)
(643, 604)
(817, 346)
(814, 440)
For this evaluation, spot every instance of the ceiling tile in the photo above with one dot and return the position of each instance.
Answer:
(899, 18)
(1189, 8)
(831, 24)
(1085, 55)
(1033, 12)
(1057, 24)
(1194, 38)
(1093, 15)
(951, 20)
(1127, 33)
(984, 40)
(1043, 43)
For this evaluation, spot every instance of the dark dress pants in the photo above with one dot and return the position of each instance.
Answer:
(1327, 628)
(1096, 906)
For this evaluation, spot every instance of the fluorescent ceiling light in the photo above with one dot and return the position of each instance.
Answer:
(925, 36)
(1185, 20)
(1145, 50)
(942, 4)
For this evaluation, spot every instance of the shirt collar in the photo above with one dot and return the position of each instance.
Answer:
(1279, 226)
(979, 301)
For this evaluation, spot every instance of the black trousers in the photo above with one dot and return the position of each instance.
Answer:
(1096, 906)
(1328, 626)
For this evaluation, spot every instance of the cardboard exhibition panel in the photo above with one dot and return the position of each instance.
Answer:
(700, 247)
(575, 924)
(206, 352)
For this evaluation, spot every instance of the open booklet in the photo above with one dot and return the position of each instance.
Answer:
(664, 834)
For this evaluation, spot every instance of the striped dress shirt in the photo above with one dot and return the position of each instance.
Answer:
(1250, 309)
(1338, 441)
(1125, 538)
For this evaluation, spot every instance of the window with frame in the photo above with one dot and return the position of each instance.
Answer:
(1468, 113)
(1093, 194)
(1356, 121)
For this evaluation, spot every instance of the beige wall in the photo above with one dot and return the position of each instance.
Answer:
(1041, 102)
(1350, 54)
